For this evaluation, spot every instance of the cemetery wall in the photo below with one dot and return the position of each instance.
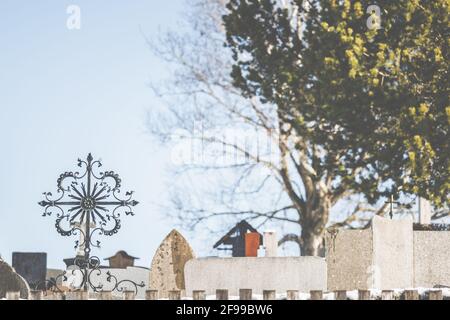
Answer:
(349, 259)
(431, 258)
(264, 273)
(380, 257)
(392, 253)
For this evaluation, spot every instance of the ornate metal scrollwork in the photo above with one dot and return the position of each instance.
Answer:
(94, 206)
(90, 198)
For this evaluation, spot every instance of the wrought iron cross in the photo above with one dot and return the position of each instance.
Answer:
(91, 200)
(391, 203)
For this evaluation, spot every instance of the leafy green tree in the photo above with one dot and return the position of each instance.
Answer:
(361, 87)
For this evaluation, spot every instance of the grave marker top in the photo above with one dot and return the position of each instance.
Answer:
(167, 269)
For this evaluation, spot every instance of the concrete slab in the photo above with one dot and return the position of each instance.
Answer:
(264, 273)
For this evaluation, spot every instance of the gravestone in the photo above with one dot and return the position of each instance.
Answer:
(167, 268)
(380, 257)
(11, 281)
(32, 266)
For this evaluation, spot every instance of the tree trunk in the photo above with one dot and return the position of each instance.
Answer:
(311, 243)
(313, 224)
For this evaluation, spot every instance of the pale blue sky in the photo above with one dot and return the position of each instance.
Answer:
(64, 93)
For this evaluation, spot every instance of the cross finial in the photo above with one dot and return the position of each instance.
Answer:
(391, 203)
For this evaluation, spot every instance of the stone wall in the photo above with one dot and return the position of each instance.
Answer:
(264, 273)
(431, 258)
(392, 253)
(380, 257)
(349, 259)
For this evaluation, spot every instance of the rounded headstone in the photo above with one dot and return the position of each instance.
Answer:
(11, 281)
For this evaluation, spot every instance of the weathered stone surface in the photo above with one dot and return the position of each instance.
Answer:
(167, 268)
(265, 273)
(11, 281)
(271, 244)
(431, 258)
(349, 259)
(380, 257)
(392, 253)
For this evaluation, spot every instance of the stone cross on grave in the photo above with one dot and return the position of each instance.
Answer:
(391, 203)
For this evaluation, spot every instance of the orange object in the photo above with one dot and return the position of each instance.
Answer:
(252, 242)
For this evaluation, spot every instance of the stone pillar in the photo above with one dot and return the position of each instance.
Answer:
(411, 295)
(435, 295)
(363, 295)
(198, 295)
(424, 211)
(269, 295)
(12, 295)
(271, 243)
(316, 295)
(129, 295)
(245, 294)
(221, 294)
(151, 295)
(174, 295)
(340, 295)
(387, 295)
(292, 295)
